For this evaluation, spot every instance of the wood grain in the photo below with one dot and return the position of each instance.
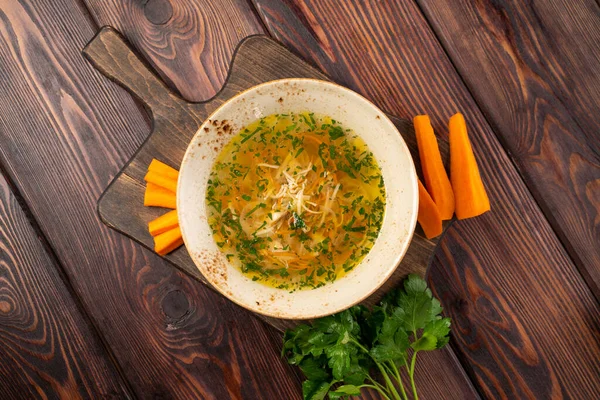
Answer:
(534, 71)
(257, 60)
(433, 367)
(65, 132)
(48, 347)
(189, 43)
(525, 323)
(174, 124)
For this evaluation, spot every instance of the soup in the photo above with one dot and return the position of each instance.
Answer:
(295, 200)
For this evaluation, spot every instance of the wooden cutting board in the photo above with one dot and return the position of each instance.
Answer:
(257, 59)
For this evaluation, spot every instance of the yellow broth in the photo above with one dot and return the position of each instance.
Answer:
(295, 200)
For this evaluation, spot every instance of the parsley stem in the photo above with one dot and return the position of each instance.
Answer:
(394, 370)
(399, 379)
(374, 382)
(388, 382)
(390, 385)
(380, 390)
(411, 373)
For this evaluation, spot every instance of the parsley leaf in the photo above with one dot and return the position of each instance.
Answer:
(416, 304)
(345, 390)
(313, 370)
(315, 390)
(358, 372)
(438, 328)
(425, 342)
(392, 342)
(297, 221)
(339, 359)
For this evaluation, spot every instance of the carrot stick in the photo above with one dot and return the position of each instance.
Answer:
(161, 180)
(163, 169)
(155, 188)
(436, 178)
(163, 223)
(429, 215)
(157, 196)
(168, 241)
(471, 198)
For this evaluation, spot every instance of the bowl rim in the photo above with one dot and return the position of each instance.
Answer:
(399, 255)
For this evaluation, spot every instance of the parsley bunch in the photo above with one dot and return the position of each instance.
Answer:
(358, 348)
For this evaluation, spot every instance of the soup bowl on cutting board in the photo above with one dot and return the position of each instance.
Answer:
(297, 198)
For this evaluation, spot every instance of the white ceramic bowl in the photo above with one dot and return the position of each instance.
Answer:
(353, 111)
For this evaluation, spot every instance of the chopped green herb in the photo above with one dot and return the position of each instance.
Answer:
(259, 205)
(335, 132)
(247, 137)
(297, 221)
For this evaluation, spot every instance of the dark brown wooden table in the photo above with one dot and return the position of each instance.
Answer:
(85, 312)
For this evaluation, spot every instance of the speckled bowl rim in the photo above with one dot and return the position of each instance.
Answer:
(403, 245)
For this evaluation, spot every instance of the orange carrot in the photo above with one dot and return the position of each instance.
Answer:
(436, 178)
(157, 196)
(168, 241)
(161, 180)
(163, 169)
(163, 223)
(471, 198)
(429, 215)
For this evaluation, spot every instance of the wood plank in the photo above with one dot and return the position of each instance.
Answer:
(65, 131)
(189, 43)
(534, 72)
(525, 323)
(48, 347)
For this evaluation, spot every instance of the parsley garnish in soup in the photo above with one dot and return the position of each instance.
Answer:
(295, 200)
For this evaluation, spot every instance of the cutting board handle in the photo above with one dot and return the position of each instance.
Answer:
(111, 54)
